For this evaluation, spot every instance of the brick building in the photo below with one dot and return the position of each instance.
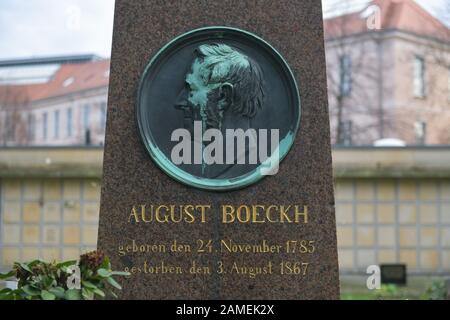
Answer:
(388, 74)
(53, 101)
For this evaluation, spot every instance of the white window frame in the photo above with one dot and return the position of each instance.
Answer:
(345, 75)
(419, 77)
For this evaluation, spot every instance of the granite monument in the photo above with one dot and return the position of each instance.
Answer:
(217, 179)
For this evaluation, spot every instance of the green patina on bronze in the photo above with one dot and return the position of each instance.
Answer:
(211, 71)
(219, 66)
(220, 184)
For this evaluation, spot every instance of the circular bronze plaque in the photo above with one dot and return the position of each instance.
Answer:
(218, 108)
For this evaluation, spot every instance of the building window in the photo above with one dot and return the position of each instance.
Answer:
(420, 131)
(56, 124)
(345, 133)
(345, 76)
(44, 125)
(10, 127)
(103, 115)
(31, 127)
(419, 77)
(449, 83)
(86, 111)
(69, 122)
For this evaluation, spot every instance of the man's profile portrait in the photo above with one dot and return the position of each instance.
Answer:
(224, 89)
(205, 113)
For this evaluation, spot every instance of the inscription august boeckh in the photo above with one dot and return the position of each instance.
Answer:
(230, 214)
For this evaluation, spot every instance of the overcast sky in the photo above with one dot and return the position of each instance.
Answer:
(58, 27)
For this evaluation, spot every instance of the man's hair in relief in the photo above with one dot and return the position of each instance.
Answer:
(224, 64)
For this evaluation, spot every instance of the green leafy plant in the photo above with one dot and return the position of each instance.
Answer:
(387, 291)
(39, 280)
(437, 291)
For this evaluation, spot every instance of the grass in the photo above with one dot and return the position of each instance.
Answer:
(417, 288)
